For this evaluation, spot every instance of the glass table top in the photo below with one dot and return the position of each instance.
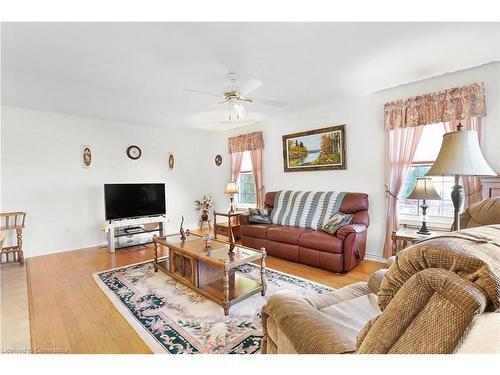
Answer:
(217, 250)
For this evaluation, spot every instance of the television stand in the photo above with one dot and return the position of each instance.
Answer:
(133, 232)
(133, 229)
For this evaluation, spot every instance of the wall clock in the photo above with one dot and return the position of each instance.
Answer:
(218, 160)
(134, 152)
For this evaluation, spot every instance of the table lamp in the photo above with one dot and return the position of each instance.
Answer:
(424, 189)
(231, 189)
(460, 155)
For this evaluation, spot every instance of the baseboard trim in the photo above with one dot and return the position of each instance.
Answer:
(376, 258)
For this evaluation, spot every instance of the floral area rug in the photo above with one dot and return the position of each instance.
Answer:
(172, 318)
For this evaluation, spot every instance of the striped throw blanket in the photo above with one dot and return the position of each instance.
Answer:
(308, 209)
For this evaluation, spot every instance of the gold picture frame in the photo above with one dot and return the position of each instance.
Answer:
(315, 150)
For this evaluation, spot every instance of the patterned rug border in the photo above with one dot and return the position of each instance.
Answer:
(142, 332)
(139, 329)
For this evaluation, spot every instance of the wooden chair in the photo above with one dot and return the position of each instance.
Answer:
(12, 221)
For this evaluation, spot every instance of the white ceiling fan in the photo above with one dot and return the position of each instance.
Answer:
(236, 96)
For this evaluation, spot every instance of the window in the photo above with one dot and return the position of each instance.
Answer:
(246, 185)
(426, 153)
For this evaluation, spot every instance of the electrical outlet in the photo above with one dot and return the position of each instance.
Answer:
(67, 229)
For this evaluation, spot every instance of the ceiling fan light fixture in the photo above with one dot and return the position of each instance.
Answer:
(236, 95)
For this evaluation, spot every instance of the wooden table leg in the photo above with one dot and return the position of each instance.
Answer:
(225, 288)
(394, 243)
(20, 255)
(263, 272)
(215, 225)
(156, 254)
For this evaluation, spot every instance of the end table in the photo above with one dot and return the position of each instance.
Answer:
(404, 237)
(232, 230)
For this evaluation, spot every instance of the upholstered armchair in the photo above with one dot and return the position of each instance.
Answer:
(441, 295)
(481, 213)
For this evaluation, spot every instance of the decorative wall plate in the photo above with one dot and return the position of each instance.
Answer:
(134, 152)
(86, 156)
(218, 160)
(171, 161)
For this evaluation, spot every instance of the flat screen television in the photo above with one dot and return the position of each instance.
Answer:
(133, 200)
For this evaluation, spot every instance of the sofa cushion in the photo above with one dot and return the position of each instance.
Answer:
(350, 316)
(289, 235)
(259, 216)
(482, 336)
(256, 230)
(321, 241)
(335, 222)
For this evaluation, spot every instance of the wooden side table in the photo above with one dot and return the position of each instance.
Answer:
(13, 221)
(491, 186)
(404, 237)
(231, 229)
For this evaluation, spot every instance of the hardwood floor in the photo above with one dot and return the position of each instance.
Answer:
(70, 314)
(14, 317)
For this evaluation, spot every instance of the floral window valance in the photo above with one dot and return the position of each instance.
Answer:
(452, 104)
(246, 142)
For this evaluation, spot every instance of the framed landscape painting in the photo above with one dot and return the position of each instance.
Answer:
(315, 150)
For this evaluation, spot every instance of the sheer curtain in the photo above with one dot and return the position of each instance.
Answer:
(401, 144)
(256, 157)
(236, 158)
(472, 185)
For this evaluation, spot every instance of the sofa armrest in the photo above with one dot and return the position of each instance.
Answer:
(464, 219)
(344, 231)
(244, 219)
(303, 328)
(376, 279)
(320, 301)
(428, 314)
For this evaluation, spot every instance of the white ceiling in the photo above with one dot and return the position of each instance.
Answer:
(137, 72)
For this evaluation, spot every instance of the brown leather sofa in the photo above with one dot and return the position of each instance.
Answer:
(340, 253)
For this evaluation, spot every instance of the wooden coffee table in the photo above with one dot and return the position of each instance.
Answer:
(210, 271)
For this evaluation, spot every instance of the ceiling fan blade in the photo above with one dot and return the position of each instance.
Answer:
(204, 92)
(276, 103)
(249, 86)
(240, 110)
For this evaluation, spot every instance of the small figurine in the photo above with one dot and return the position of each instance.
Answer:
(181, 230)
(207, 237)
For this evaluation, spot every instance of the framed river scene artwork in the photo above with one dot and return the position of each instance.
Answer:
(315, 150)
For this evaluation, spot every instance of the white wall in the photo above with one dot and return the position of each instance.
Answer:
(365, 144)
(42, 174)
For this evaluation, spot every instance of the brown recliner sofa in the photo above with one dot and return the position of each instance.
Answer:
(339, 253)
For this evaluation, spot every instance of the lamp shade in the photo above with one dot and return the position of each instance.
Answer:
(424, 189)
(460, 155)
(231, 188)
